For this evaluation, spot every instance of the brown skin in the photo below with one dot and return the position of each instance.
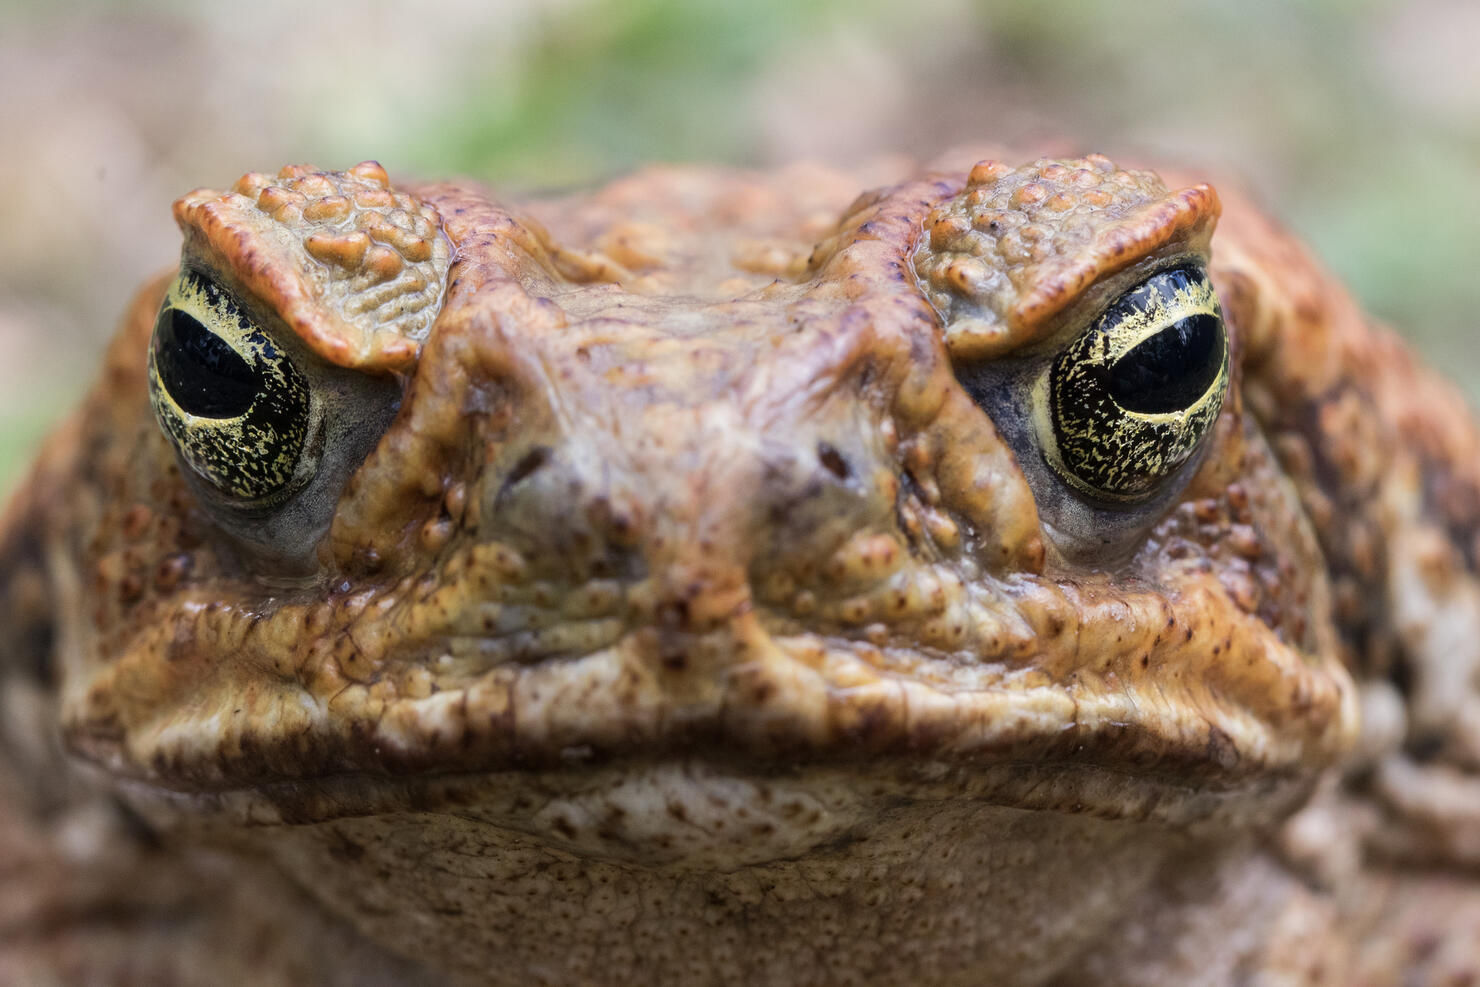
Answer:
(690, 621)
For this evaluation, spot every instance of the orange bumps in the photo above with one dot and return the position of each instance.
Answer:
(945, 229)
(1016, 245)
(297, 171)
(364, 227)
(372, 259)
(382, 264)
(987, 173)
(372, 172)
(995, 221)
(397, 231)
(375, 198)
(315, 186)
(865, 558)
(250, 184)
(326, 210)
(967, 275)
(283, 205)
(347, 251)
(1028, 195)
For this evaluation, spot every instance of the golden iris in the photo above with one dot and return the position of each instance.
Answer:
(1126, 404)
(236, 408)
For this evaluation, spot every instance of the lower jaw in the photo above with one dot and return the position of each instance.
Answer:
(697, 871)
(706, 813)
(814, 875)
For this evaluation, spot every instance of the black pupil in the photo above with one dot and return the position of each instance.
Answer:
(1170, 370)
(204, 375)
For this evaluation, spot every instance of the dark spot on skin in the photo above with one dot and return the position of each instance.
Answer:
(171, 570)
(131, 588)
(1401, 676)
(531, 461)
(674, 614)
(38, 642)
(622, 527)
(367, 559)
(920, 351)
(1425, 747)
(346, 850)
(136, 521)
(833, 461)
(136, 826)
(1221, 749)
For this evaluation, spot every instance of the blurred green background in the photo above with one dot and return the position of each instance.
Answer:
(1356, 121)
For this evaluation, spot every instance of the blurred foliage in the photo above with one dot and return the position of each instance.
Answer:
(1356, 121)
(611, 86)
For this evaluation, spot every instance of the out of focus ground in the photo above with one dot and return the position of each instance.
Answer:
(1356, 121)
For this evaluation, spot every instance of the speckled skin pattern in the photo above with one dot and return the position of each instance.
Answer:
(690, 622)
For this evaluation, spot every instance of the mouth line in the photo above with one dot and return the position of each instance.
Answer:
(750, 696)
(1048, 786)
(1094, 773)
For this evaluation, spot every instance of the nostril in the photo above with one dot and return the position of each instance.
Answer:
(528, 463)
(833, 461)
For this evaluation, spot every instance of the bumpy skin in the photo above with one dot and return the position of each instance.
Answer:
(691, 622)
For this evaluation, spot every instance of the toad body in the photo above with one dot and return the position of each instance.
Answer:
(1013, 574)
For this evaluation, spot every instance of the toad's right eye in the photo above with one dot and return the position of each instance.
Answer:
(1126, 405)
(240, 414)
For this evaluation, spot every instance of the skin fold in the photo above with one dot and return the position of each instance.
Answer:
(688, 581)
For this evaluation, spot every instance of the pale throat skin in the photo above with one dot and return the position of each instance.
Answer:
(710, 578)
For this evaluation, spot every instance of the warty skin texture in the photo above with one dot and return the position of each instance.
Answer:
(701, 610)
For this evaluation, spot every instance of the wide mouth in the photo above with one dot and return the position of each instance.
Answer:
(746, 699)
(709, 811)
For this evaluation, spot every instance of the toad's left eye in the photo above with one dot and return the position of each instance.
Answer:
(1125, 405)
(238, 411)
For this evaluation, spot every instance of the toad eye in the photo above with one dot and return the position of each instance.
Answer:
(237, 410)
(1126, 404)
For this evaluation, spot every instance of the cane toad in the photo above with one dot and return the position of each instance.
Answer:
(1013, 574)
